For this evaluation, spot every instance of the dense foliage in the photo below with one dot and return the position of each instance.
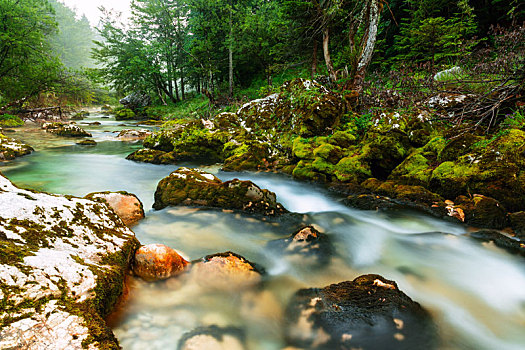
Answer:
(44, 53)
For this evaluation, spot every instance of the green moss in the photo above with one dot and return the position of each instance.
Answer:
(452, 179)
(125, 114)
(302, 148)
(414, 170)
(352, 169)
(342, 139)
(321, 165)
(306, 171)
(10, 121)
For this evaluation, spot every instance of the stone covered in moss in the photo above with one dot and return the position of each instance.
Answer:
(87, 142)
(194, 187)
(63, 129)
(153, 156)
(11, 148)
(62, 267)
(369, 312)
(482, 211)
(517, 223)
(10, 121)
(125, 114)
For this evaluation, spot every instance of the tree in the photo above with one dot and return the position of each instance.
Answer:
(27, 65)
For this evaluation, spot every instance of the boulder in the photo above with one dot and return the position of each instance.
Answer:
(87, 142)
(312, 247)
(124, 114)
(226, 271)
(68, 130)
(63, 261)
(152, 156)
(194, 187)
(133, 134)
(136, 100)
(126, 205)
(155, 262)
(517, 223)
(11, 148)
(511, 245)
(482, 211)
(369, 312)
(213, 337)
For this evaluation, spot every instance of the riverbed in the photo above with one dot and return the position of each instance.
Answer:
(475, 292)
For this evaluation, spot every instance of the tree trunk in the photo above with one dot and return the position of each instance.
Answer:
(175, 85)
(368, 48)
(314, 60)
(327, 59)
(230, 55)
(182, 88)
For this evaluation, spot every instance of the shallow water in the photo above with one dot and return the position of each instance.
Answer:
(475, 292)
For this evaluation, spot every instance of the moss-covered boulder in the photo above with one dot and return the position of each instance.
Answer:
(125, 114)
(11, 148)
(86, 142)
(517, 223)
(10, 121)
(62, 266)
(152, 156)
(64, 129)
(482, 211)
(369, 312)
(194, 187)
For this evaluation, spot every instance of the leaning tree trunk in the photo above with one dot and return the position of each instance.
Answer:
(326, 51)
(368, 48)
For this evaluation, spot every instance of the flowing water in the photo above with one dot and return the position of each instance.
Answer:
(475, 292)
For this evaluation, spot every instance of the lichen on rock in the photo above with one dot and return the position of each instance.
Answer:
(62, 265)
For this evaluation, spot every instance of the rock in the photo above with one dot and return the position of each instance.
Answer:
(62, 266)
(11, 148)
(136, 100)
(155, 262)
(194, 187)
(226, 271)
(10, 121)
(133, 135)
(482, 211)
(153, 156)
(513, 246)
(369, 312)
(68, 130)
(80, 115)
(517, 223)
(307, 243)
(87, 142)
(213, 337)
(124, 114)
(126, 205)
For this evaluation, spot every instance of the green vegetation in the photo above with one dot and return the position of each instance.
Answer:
(9, 121)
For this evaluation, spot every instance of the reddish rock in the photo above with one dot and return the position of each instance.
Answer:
(155, 262)
(126, 205)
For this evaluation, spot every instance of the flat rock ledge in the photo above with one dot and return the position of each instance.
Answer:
(194, 187)
(11, 148)
(62, 266)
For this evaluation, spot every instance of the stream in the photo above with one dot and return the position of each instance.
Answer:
(475, 292)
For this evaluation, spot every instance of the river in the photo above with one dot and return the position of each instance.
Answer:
(475, 292)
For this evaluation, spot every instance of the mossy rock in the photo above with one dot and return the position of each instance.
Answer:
(484, 212)
(517, 223)
(125, 114)
(67, 130)
(193, 187)
(66, 259)
(393, 189)
(152, 156)
(452, 179)
(11, 148)
(251, 155)
(414, 170)
(343, 139)
(305, 170)
(458, 146)
(87, 142)
(10, 121)
(352, 169)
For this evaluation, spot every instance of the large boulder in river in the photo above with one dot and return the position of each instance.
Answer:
(155, 262)
(136, 100)
(369, 312)
(194, 187)
(126, 205)
(63, 129)
(62, 266)
(11, 148)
